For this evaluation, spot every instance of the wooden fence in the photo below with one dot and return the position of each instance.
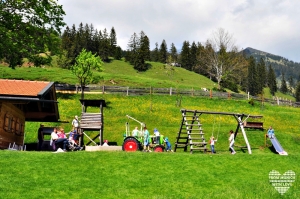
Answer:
(172, 91)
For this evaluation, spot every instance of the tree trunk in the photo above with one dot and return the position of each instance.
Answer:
(82, 91)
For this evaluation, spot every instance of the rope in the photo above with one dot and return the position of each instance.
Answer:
(212, 133)
(219, 129)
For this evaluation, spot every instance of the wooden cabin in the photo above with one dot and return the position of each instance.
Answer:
(22, 101)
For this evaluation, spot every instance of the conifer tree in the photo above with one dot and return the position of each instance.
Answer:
(201, 67)
(193, 55)
(163, 52)
(144, 45)
(104, 49)
(173, 53)
(118, 53)
(252, 77)
(297, 92)
(185, 56)
(113, 41)
(262, 75)
(291, 83)
(283, 87)
(138, 51)
(272, 80)
(155, 53)
(132, 49)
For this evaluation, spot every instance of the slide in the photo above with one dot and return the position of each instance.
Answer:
(277, 146)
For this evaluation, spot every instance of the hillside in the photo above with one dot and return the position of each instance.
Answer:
(121, 73)
(279, 63)
(117, 73)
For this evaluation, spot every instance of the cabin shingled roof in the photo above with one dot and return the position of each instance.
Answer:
(21, 87)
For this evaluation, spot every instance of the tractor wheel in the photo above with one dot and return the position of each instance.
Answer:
(131, 144)
(159, 148)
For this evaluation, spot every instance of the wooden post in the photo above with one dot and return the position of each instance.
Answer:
(193, 91)
(229, 96)
(170, 91)
(127, 90)
(210, 93)
(103, 89)
(101, 128)
(265, 140)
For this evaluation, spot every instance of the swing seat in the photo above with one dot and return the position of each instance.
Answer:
(254, 125)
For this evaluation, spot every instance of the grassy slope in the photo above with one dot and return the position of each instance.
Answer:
(120, 71)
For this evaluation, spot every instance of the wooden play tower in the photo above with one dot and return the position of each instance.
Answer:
(92, 121)
(191, 133)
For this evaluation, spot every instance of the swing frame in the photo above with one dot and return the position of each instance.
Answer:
(239, 118)
(212, 133)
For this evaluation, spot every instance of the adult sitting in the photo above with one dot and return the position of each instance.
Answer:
(135, 132)
(56, 140)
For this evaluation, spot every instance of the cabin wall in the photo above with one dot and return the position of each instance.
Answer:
(12, 123)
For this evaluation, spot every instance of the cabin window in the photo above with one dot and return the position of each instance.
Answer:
(13, 125)
(7, 122)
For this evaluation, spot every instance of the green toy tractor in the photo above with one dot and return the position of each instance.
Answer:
(135, 141)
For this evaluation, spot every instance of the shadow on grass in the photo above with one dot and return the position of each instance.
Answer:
(65, 96)
(272, 149)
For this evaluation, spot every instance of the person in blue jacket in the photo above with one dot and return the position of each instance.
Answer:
(168, 144)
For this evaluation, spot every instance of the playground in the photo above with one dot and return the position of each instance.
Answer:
(181, 174)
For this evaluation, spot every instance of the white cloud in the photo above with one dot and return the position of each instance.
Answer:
(270, 25)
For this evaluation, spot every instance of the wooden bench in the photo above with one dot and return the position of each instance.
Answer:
(254, 125)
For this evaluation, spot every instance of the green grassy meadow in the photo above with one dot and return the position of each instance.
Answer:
(82, 174)
(160, 175)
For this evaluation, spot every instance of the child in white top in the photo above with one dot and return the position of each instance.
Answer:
(231, 142)
(212, 144)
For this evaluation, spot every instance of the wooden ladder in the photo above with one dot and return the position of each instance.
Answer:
(190, 133)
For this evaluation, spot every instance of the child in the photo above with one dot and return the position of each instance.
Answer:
(73, 141)
(157, 136)
(271, 132)
(146, 140)
(168, 144)
(105, 143)
(231, 142)
(212, 144)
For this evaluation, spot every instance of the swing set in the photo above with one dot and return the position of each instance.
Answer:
(191, 133)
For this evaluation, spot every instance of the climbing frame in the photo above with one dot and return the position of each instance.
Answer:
(190, 133)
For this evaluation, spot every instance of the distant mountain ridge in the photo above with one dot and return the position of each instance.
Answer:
(279, 63)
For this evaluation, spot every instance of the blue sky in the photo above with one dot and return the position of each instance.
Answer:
(270, 25)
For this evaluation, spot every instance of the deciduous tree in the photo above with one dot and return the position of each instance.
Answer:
(83, 68)
(221, 56)
(28, 28)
